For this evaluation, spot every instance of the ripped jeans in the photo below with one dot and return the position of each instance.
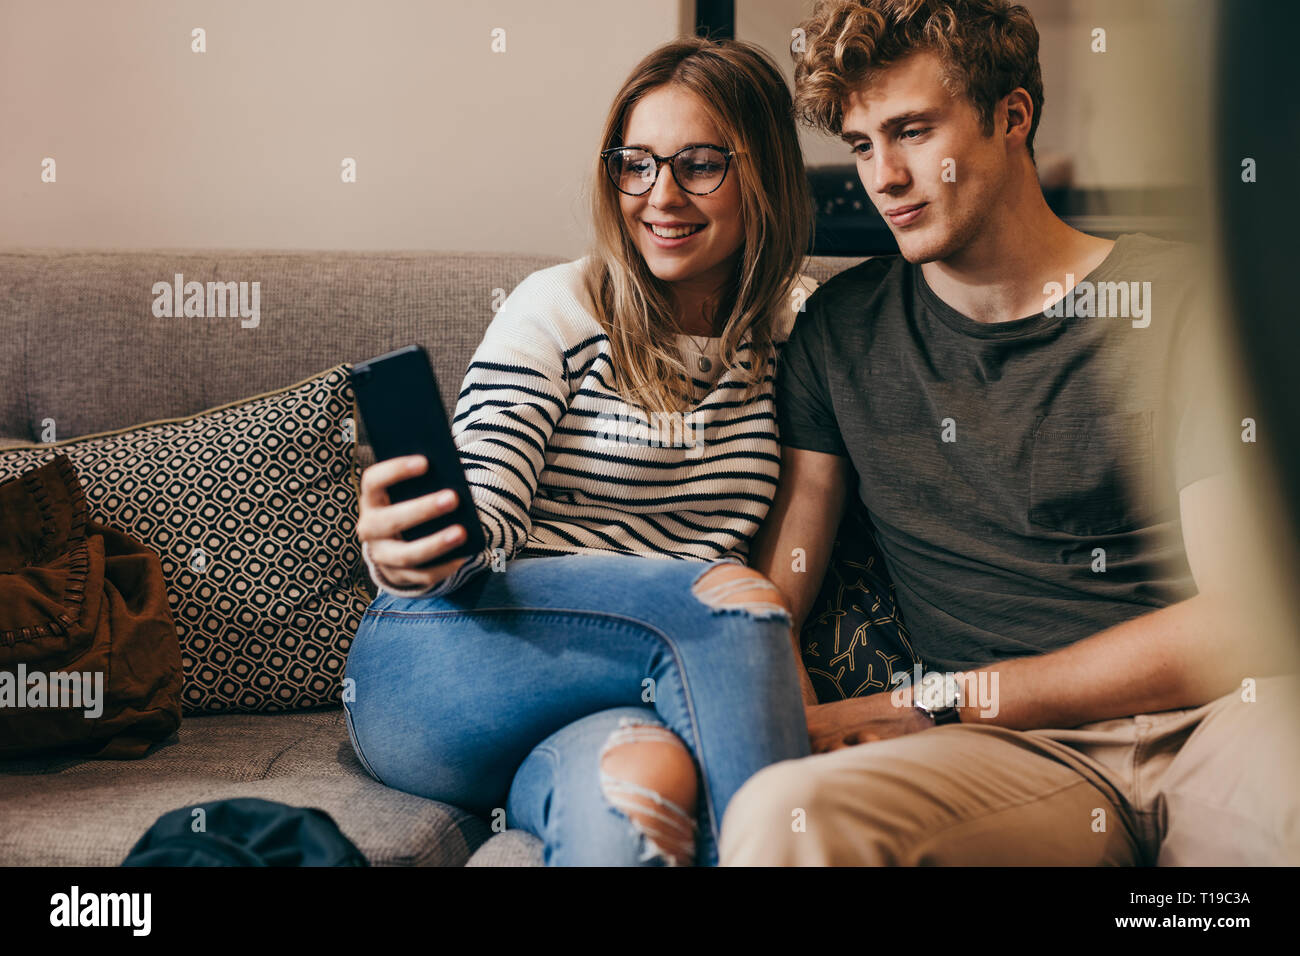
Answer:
(502, 697)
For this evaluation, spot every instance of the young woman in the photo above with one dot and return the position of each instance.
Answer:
(607, 671)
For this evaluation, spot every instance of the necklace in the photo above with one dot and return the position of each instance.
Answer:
(703, 360)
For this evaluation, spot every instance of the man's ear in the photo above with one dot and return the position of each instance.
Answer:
(1019, 115)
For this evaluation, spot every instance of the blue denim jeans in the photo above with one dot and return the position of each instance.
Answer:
(500, 696)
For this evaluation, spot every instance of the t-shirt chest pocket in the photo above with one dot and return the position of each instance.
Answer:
(1092, 475)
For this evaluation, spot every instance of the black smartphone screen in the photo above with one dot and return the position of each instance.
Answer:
(397, 395)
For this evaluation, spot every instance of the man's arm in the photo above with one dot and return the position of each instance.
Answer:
(805, 514)
(1181, 656)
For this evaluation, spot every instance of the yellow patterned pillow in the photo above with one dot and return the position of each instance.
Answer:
(854, 641)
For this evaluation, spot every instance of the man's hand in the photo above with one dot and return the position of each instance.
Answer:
(859, 720)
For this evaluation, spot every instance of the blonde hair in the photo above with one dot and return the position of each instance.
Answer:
(988, 48)
(743, 93)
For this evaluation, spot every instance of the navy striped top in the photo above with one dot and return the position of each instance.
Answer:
(558, 463)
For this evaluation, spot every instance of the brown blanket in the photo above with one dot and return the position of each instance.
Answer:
(89, 659)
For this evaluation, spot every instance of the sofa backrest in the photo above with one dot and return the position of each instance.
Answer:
(80, 344)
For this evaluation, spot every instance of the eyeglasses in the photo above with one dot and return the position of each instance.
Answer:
(698, 169)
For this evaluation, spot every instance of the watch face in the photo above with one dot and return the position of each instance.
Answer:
(937, 691)
(951, 692)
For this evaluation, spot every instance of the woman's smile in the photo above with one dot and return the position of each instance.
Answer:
(673, 235)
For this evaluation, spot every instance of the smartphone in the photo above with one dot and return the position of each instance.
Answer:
(398, 397)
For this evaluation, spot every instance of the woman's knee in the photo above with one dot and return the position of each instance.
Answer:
(724, 587)
(743, 626)
(648, 775)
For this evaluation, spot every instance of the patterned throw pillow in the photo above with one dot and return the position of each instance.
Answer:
(252, 508)
(854, 641)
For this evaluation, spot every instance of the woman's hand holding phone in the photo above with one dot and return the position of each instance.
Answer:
(381, 523)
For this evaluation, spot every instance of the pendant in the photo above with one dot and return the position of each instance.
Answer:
(705, 364)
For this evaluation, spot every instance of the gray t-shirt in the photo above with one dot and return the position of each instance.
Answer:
(994, 459)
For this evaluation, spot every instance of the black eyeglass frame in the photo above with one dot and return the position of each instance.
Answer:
(672, 166)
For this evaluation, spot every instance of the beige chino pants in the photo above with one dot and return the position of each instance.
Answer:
(1216, 785)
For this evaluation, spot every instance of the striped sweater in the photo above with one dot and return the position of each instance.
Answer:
(558, 464)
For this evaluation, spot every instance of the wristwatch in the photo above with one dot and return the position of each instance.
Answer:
(938, 697)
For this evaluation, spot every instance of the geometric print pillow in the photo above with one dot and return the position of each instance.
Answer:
(853, 640)
(252, 508)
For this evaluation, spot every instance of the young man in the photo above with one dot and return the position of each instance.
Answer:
(1022, 409)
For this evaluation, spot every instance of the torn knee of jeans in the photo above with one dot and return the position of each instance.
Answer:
(664, 827)
(742, 591)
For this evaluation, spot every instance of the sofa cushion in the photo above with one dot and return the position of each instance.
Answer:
(509, 848)
(252, 508)
(317, 309)
(67, 811)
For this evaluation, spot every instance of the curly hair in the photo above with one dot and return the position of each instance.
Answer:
(988, 49)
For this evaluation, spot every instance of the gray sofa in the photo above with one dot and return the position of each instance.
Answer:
(78, 344)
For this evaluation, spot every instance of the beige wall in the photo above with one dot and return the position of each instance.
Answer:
(457, 147)
(1114, 113)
